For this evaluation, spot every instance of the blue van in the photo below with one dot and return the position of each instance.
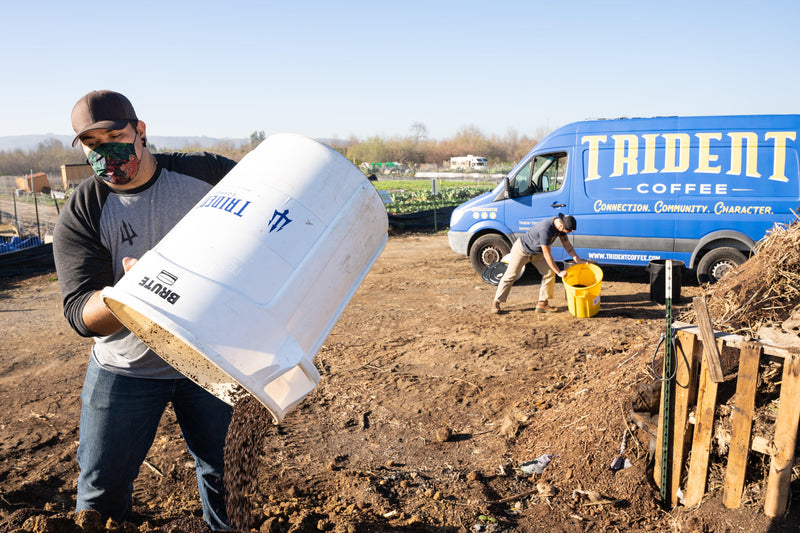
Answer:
(702, 190)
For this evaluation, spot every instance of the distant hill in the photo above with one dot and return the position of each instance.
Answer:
(30, 142)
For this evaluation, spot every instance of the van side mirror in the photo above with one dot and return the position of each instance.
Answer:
(506, 192)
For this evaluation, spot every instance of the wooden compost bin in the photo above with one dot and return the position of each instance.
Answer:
(696, 391)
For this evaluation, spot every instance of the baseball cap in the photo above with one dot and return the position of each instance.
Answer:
(569, 222)
(101, 110)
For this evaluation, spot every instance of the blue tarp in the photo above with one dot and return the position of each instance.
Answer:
(26, 257)
(18, 244)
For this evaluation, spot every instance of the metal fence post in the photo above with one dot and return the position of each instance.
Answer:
(16, 214)
(36, 208)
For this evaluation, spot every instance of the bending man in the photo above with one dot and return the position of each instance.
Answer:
(534, 247)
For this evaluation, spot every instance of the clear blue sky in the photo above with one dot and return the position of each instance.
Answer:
(334, 69)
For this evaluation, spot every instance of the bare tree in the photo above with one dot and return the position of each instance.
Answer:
(419, 131)
(48, 156)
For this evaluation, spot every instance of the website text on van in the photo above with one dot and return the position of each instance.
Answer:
(702, 190)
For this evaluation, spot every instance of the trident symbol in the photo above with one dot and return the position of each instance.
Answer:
(127, 233)
(279, 220)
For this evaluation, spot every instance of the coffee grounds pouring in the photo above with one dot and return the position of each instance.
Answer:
(250, 425)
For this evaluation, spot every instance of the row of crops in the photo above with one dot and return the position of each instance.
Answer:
(412, 196)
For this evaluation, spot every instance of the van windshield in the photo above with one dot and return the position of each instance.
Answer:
(543, 173)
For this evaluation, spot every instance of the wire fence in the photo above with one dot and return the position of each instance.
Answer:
(27, 220)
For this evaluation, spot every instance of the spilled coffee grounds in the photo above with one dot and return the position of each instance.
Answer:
(251, 423)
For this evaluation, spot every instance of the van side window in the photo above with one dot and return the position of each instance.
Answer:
(522, 181)
(544, 173)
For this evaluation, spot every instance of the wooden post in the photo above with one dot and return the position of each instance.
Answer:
(709, 344)
(703, 429)
(688, 354)
(658, 459)
(785, 438)
(742, 423)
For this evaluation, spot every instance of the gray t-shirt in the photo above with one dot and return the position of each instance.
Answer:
(98, 227)
(543, 232)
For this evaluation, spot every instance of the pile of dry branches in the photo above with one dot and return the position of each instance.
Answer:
(764, 289)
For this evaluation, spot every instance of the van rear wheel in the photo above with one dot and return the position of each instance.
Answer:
(488, 249)
(718, 262)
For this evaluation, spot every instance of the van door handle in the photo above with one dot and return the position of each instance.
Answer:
(557, 205)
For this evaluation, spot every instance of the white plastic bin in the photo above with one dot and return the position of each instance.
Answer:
(247, 286)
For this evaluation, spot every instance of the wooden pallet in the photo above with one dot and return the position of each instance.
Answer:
(696, 392)
(8, 230)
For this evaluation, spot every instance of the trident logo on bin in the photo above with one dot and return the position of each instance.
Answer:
(279, 220)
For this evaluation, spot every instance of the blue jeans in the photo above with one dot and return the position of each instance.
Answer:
(119, 419)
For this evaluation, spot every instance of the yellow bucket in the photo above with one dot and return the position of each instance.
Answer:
(582, 284)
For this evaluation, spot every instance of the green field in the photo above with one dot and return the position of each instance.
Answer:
(425, 185)
(411, 196)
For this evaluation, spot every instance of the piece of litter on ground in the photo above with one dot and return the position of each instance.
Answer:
(620, 462)
(536, 466)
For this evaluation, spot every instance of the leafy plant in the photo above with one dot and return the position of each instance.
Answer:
(412, 201)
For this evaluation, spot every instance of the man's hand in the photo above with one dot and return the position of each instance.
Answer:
(127, 263)
(96, 315)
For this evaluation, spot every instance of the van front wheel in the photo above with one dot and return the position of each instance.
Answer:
(718, 262)
(488, 249)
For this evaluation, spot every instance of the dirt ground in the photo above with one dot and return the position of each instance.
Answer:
(427, 417)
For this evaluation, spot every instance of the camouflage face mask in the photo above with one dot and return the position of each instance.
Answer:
(115, 163)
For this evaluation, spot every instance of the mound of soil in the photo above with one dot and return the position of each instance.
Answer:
(429, 417)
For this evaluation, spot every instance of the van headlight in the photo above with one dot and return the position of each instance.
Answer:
(456, 216)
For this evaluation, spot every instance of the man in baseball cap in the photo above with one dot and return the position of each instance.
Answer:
(534, 247)
(105, 226)
(113, 139)
(569, 222)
